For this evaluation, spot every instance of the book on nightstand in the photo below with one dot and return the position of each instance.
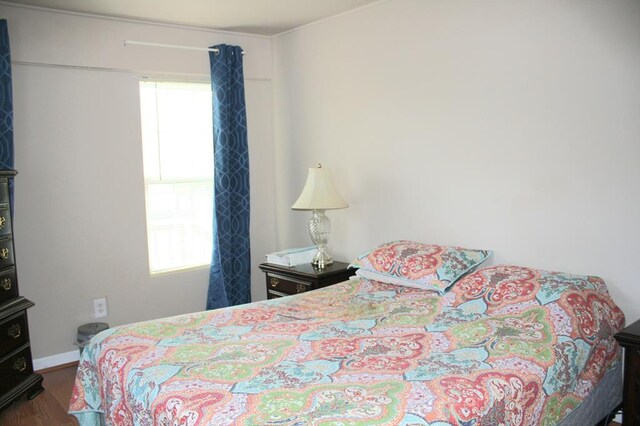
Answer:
(292, 257)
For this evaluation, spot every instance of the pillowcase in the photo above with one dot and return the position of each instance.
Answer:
(413, 264)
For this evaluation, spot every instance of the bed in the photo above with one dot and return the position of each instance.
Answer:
(503, 345)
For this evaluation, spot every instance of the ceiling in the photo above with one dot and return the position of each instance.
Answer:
(264, 17)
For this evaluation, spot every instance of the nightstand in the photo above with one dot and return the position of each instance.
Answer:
(629, 339)
(285, 281)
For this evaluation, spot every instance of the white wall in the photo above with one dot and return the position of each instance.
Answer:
(512, 126)
(504, 125)
(80, 220)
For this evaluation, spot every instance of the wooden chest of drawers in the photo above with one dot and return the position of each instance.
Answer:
(629, 339)
(284, 281)
(16, 367)
(8, 287)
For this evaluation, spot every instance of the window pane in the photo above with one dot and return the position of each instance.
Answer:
(177, 143)
(185, 133)
(179, 224)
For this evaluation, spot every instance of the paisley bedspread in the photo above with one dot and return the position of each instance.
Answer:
(506, 345)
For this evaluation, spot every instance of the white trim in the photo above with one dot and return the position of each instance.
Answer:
(72, 67)
(618, 418)
(185, 26)
(188, 77)
(56, 360)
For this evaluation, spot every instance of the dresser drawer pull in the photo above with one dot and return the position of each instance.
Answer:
(4, 253)
(300, 288)
(3, 220)
(20, 364)
(6, 284)
(14, 331)
(274, 282)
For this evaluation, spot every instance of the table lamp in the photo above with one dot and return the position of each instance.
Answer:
(319, 194)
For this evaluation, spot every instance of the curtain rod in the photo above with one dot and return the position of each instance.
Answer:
(172, 46)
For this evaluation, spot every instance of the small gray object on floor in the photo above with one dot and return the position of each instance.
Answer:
(87, 331)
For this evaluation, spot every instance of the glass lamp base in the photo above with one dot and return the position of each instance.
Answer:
(319, 230)
(321, 259)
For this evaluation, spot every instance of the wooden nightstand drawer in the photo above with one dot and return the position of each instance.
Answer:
(13, 333)
(15, 368)
(284, 281)
(281, 284)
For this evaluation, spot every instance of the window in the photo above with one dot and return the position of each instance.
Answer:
(177, 142)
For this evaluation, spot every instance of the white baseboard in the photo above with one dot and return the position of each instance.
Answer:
(56, 360)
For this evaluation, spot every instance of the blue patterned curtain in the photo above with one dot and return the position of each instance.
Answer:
(6, 105)
(230, 275)
(6, 100)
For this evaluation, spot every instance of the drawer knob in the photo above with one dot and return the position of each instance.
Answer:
(4, 253)
(274, 282)
(14, 331)
(20, 364)
(300, 288)
(6, 284)
(3, 220)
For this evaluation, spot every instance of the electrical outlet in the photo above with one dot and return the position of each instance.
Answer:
(100, 307)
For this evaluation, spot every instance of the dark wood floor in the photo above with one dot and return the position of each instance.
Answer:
(50, 407)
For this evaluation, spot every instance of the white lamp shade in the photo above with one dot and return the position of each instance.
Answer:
(319, 192)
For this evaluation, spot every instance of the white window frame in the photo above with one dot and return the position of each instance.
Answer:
(174, 245)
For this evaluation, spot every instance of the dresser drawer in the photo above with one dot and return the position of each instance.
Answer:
(4, 191)
(6, 253)
(13, 333)
(8, 285)
(286, 285)
(5, 220)
(14, 369)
